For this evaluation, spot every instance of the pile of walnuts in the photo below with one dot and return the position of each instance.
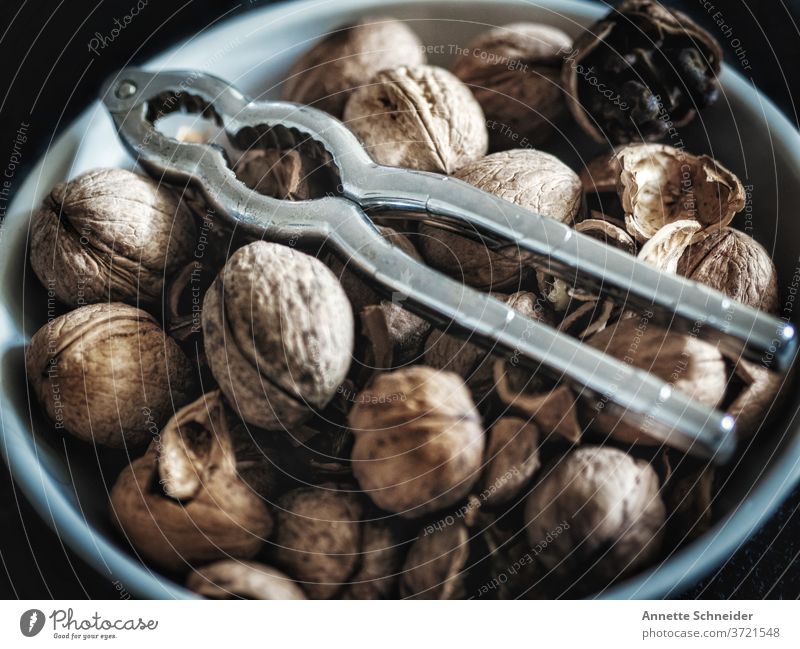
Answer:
(293, 433)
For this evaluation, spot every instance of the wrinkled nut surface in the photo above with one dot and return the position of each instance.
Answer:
(284, 174)
(242, 580)
(347, 59)
(317, 538)
(434, 567)
(534, 180)
(223, 519)
(108, 374)
(659, 184)
(687, 363)
(512, 457)
(110, 235)
(419, 441)
(599, 511)
(381, 559)
(471, 361)
(640, 72)
(278, 333)
(514, 72)
(736, 264)
(419, 117)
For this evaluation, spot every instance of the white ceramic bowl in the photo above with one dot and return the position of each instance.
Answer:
(64, 480)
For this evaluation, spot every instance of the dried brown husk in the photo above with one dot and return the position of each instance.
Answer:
(637, 39)
(434, 567)
(347, 59)
(278, 333)
(242, 580)
(472, 361)
(317, 538)
(419, 117)
(514, 72)
(599, 515)
(418, 440)
(532, 179)
(685, 362)
(659, 184)
(110, 235)
(512, 457)
(108, 374)
(554, 411)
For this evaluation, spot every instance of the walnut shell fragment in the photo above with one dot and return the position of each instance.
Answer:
(381, 560)
(759, 399)
(534, 180)
(347, 59)
(278, 333)
(512, 457)
(419, 117)
(601, 515)
(514, 72)
(683, 361)
(110, 235)
(659, 184)
(285, 174)
(317, 538)
(641, 72)
(419, 440)
(107, 373)
(434, 567)
(242, 580)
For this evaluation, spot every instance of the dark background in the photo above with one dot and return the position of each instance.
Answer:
(48, 76)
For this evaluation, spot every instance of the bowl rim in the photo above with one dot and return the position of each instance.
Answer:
(690, 563)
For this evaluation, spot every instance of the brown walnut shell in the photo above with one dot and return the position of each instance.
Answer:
(512, 457)
(110, 235)
(108, 374)
(659, 184)
(419, 441)
(347, 59)
(381, 559)
(285, 174)
(278, 333)
(599, 516)
(223, 519)
(534, 180)
(419, 117)
(317, 538)
(683, 361)
(434, 567)
(514, 72)
(242, 580)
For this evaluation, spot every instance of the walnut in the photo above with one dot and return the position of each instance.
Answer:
(607, 232)
(347, 59)
(512, 457)
(318, 538)
(472, 361)
(406, 331)
(419, 441)
(514, 72)
(420, 117)
(759, 398)
(599, 515)
(685, 362)
(230, 579)
(534, 180)
(381, 560)
(184, 502)
(284, 174)
(659, 184)
(107, 373)
(434, 567)
(110, 235)
(278, 333)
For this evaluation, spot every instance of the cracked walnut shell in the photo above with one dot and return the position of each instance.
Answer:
(278, 333)
(229, 579)
(110, 235)
(107, 373)
(347, 59)
(419, 117)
